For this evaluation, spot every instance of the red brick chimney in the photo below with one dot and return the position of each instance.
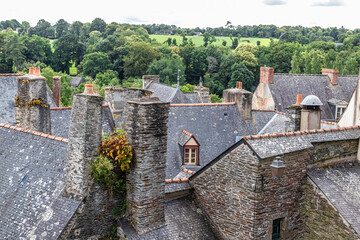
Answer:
(239, 85)
(333, 75)
(266, 75)
(57, 89)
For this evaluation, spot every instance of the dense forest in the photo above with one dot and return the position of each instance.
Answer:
(119, 54)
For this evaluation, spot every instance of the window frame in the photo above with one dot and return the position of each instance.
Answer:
(196, 156)
(277, 234)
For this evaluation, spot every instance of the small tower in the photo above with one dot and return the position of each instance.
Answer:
(311, 113)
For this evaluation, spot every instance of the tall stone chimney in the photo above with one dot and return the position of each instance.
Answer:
(117, 97)
(146, 125)
(202, 92)
(57, 89)
(266, 75)
(148, 79)
(293, 114)
(333, 75)
(84, 138)
(311, 113)
(32, 110)
(242, 98)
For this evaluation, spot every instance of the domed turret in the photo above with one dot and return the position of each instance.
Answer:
(311, 113)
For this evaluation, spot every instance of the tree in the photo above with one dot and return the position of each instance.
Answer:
(43, 29)
(75, 28)
(24, 28)
(98, 25)
(208, 39)
(108, 78)
(37, 49)
(351, 66)
(140, 56)
(224, 43)
(95, 63)
(62, 28)
(14, 50)
(167, 67)
(296, 63)
(240, 73)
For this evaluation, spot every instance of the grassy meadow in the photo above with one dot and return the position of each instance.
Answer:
(198, 40)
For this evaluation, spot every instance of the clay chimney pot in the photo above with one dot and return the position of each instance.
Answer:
(239, 85)
(89, 89)
(31, 70)
(298, 99)
(37, 71)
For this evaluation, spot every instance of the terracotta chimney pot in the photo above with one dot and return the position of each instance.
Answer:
(298, 99)
(239, 85)
(37, 71)
(31, 71)
(89, 89)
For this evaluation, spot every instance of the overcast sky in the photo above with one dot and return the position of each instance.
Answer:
(189, 13)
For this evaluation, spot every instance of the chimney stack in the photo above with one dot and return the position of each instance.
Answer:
(57, 89)
(293, 114)
(311, 113)
(32, 110)
(148, 79)
(242, 98)
(266, 75)
(84, 139)
(146, 125)
(333, 75)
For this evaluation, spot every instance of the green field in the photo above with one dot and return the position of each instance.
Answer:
(198, 40)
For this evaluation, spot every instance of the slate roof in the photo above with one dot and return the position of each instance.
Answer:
(76, 81)
(270, 145)
(215, 128)
(195, 98)
(183, 221)
(60, 121)
(8, 89)
(341, 186)
(31, 183)
(286, 87)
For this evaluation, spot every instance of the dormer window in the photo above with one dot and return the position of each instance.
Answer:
(190, 148)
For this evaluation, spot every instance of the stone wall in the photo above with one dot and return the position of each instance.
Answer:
(282, 199)
(293, 115)
(243, 101)
(225, 193)
(117, 97)
(95, 217)
(146, 126)
(32, 110)
(84, 139)
(322, 220)
(329, 153)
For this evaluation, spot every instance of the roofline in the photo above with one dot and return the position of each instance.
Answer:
(40, 134)
(12, 74)
(223, 154)
(201, 104)
(64, 108)
(306, 132)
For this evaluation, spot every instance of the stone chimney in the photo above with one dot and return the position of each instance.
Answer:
(333, 75)
(311, 113)
(32, 110)
(148, 79)
(117, 97)
(84, 138)
(146, 125)
(293, 114)
(57, 89)
(242, 98)
(266, 75)
(202, 92)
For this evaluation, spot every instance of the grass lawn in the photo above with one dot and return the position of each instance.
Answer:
(198, 40)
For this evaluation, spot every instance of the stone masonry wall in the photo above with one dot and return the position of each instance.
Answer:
(323, 221)
(84, 139)
(293, 115)
(96, 216)
(225, 193)
(146, 126)
(282, 199)
(329, 153)
(32, 110)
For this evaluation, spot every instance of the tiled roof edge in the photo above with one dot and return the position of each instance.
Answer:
(178, 180)
(12, 74)
(64, 108)
(200, 104)
(329, 123)
(275, 135)
(188, 171)
(34, 132)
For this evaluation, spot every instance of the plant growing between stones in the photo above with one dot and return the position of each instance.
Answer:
(113, 162)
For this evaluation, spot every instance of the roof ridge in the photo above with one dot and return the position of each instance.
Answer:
(40, 134)
(306, 132)
(299, 74)
(186, 132)
(64, 108)
(177, 180)
(12, 74)
(201, 104)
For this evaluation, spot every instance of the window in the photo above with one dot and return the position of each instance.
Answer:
(276, 229)
(339, 112)
(191, 155)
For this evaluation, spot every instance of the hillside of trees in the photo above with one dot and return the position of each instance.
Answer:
(119, 54)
